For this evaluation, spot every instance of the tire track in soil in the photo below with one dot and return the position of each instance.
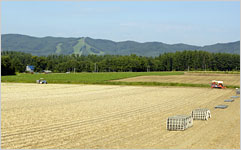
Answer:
(137, 136)
(70, 126)
(120, 133)
(100, 118)
(59, 104)
(112, 135)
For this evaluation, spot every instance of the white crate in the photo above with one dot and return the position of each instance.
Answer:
(179, 122)
(201, 114)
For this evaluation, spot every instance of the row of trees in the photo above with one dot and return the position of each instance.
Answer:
(7, 67)
(178, 61)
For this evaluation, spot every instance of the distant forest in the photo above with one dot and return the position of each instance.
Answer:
(12, 62)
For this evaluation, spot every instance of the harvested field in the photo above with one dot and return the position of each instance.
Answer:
(57, 116)
(194, 78)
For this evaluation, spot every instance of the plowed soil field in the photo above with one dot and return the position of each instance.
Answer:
(63, 116)
(194, 78)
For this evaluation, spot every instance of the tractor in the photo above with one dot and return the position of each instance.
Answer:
(41, 81)
(217, 84)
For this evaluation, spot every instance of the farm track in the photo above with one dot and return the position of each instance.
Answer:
(135, 117)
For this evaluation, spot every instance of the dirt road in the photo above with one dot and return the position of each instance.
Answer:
(61, 116)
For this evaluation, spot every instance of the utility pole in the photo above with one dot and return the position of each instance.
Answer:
(95, 67)
(148, 68)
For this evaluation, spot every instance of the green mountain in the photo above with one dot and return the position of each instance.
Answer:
(85, 46)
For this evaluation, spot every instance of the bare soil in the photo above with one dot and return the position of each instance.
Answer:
(194, 78)
(62, 116)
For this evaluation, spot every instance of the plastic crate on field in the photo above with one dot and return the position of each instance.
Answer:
(179, 122)
(228, 100)
(201, 114)
(221, 106)
(234, 96)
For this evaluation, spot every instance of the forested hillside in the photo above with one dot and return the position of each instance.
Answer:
(178, 61)
(85, 46)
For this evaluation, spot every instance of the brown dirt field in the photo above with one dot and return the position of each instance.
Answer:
(194, 78)
(62, 116)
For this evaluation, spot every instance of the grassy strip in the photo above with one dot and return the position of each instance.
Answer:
(100, 78)
(216, 72)
(232, 86)
(160, 84)
(156, 84)
(80, 77)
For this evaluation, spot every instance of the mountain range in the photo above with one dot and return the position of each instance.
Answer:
(85, 46)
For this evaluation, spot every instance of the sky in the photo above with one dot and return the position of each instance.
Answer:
(190, 22)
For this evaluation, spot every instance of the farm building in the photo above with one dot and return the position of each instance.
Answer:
(47, 71)
(30, 68)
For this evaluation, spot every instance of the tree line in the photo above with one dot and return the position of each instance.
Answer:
(12, 62)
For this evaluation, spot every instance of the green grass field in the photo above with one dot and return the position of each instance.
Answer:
(86, 78)
(97, 78)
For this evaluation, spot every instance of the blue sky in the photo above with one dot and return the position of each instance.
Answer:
(195, 23)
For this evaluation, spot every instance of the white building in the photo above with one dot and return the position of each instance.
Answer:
(47, 71)
(30, 68)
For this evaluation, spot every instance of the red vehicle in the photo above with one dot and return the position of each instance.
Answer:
(217, 84)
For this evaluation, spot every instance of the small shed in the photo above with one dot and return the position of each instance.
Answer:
(201, 114)
(179, 122)
(47, 71)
